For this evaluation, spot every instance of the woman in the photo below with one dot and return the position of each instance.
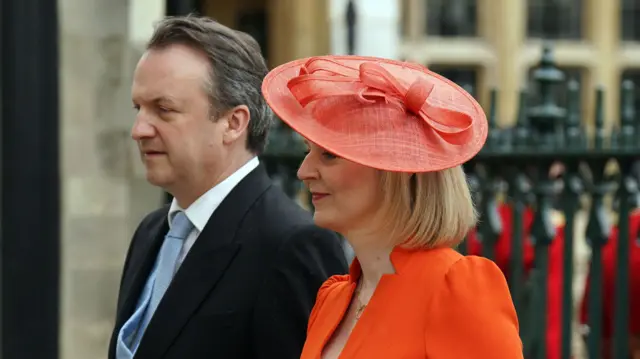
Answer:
(386, 140)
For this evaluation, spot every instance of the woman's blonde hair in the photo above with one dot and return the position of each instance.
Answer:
(427, 210)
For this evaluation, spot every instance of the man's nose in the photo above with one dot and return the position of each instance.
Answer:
(142, 129)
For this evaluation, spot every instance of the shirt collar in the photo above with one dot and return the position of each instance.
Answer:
(201, 210)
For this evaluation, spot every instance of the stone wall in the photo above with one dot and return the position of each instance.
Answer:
(104, 191)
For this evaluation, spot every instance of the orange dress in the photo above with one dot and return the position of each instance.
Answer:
(438, 305)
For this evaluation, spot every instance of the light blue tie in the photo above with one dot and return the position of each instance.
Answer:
(165, 267)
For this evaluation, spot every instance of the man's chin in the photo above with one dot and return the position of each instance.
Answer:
(157, 179)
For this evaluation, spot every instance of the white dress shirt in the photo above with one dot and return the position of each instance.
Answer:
(201, 210)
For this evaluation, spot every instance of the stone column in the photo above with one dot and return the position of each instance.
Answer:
(103, 190)
(297, 29)
(377, 27)
(504, 25)
(604, 20)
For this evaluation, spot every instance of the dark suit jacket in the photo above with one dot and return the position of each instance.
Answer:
(246, 287)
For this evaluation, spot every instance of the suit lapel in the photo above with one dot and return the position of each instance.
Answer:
(140, 266)
(203, 267)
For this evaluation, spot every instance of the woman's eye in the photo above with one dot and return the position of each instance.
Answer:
(329, 155)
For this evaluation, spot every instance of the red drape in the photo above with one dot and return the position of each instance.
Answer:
(609, 259)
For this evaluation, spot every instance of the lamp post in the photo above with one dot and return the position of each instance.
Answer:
(351, 20)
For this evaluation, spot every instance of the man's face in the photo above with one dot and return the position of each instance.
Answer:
(180, 144)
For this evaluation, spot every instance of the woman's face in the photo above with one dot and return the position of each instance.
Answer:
(346, 195)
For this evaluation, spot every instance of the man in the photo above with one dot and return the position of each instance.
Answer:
(231, 268)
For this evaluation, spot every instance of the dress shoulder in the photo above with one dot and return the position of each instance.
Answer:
(331, 285)
(334, 280)
(471, 314)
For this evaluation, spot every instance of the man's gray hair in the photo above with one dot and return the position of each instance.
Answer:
(237, 68)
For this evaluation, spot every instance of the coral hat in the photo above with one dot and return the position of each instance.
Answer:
(380, 113)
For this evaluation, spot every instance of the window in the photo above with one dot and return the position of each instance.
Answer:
(634, 76)
(452, 18)
(555, 19)
(466, 78)
(630, 14)
(559, 91)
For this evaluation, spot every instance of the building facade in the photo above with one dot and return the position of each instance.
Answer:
(480, 44)
(496, 44)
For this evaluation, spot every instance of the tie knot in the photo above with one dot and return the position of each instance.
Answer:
(181, 226)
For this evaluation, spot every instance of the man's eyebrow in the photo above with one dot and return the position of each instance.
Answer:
(157, 100)
(165, 99)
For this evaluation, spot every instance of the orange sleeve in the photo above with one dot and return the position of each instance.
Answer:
(472, 315)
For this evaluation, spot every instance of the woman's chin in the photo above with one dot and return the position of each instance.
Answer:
(325, 221)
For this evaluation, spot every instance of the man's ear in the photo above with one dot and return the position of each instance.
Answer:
(237, 120)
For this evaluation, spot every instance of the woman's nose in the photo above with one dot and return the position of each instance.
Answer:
(307, 170)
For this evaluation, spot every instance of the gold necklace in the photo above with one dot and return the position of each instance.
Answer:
(360, 306)
(359, 310)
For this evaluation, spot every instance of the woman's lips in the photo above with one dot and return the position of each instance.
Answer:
(315, 197)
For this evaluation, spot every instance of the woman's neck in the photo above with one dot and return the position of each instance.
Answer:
(374, 256)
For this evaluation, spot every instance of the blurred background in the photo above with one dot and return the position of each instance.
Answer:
(556, 78)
